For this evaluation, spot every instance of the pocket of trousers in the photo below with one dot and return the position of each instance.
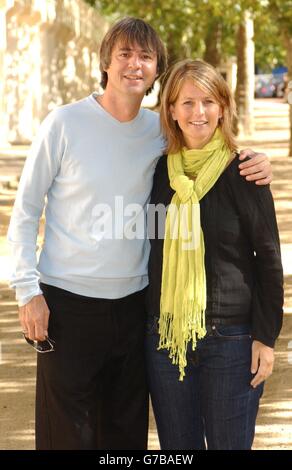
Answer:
(231, 332)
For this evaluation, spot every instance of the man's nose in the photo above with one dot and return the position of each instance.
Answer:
(135, 61)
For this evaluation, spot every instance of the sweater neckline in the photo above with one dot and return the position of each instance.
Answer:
(109, 116)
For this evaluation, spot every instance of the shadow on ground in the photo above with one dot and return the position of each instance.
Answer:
(17, 360)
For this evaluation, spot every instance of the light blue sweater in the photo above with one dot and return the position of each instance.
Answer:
(88, 165)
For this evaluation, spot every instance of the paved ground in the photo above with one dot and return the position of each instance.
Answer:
(17, 361)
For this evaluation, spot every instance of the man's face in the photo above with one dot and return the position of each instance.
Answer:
(132, 70)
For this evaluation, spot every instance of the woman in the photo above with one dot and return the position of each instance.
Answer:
(216, 284)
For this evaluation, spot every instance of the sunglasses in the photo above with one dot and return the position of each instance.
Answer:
(46, 346)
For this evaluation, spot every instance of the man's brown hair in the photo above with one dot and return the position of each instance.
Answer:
(130, 31)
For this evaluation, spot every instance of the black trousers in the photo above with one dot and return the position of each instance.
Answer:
(91, 392)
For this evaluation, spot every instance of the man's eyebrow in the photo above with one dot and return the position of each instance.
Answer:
(132, 49)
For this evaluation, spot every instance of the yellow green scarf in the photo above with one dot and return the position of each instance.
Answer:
(183, 289)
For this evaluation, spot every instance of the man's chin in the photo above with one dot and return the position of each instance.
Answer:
(135, 90)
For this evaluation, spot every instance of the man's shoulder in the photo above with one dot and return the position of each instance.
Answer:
(151, 116)
(151, 122)
(66, 114)
(70, 108)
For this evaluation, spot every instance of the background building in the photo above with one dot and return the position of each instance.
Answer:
(48, 56)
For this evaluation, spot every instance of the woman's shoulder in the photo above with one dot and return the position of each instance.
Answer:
(161, 190)
(238, 183)
(233, 171)
(161, 171)
(232, 166)
(161, 164)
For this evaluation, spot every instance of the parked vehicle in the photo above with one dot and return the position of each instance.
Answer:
(269, 86)
(280, 81)
(264, 86)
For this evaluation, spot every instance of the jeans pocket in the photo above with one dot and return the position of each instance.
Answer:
(231, 332)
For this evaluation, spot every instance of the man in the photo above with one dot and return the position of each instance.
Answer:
(91, 390)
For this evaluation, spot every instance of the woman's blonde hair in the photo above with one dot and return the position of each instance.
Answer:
(205, 77)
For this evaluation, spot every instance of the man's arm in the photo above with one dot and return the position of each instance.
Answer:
(257, 169)
(40, 169)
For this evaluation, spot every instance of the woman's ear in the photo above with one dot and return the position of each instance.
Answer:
(220, 113)
(172, 112)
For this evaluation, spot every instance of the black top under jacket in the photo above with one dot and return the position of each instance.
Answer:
(242, 252)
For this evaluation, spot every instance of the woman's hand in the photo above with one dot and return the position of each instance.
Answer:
(262, 362)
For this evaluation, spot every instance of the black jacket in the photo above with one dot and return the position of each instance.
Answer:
(242, 253)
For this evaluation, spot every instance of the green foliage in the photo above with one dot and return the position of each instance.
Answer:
(269, 49)
(281, 11)
(273, 24)
(184, 24)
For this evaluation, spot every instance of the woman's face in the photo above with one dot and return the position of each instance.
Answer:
(197, 114)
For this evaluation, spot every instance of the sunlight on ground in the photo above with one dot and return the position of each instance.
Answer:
(286, 250)
(5, 268)
(17, 386)
(281, 433)
(26, 435)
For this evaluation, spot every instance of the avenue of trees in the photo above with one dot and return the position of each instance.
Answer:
(256, 32)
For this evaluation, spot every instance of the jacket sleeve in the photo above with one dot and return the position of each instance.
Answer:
(39, 171)
(257, 213)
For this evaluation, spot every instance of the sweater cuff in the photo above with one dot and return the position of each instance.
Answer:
(266, 341)
(25, 294)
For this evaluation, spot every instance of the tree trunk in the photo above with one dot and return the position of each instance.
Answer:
(213, 43)
(290, 112)
(288, 42)
(3, 114)
(244, 94)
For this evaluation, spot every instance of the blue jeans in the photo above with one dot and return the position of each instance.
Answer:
(215, 406)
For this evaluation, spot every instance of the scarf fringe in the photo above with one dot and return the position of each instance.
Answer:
(176, 335)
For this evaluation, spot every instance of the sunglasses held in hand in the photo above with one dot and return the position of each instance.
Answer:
(48, 345)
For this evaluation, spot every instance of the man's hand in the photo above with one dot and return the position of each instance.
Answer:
(34, 318)
(257, 169)
(262, 362)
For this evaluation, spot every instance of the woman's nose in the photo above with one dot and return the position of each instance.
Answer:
(199, 108)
